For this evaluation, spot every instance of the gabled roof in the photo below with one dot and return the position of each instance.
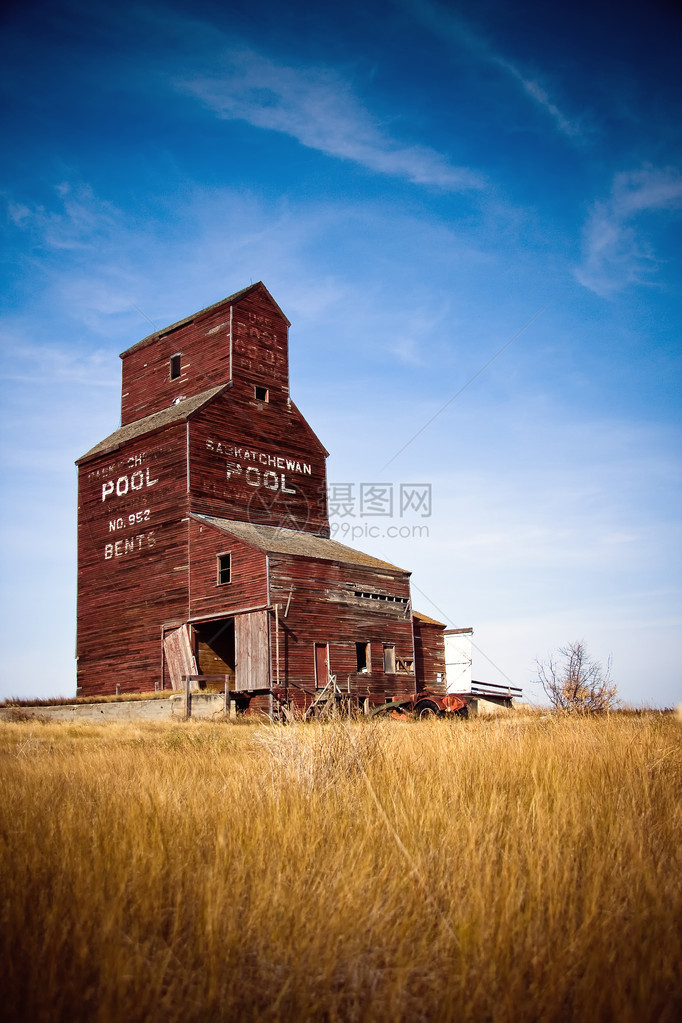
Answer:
(157, 420)
(293, 541)
(230, 300)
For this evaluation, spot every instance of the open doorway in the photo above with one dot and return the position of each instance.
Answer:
(237, 647)
(215, 650)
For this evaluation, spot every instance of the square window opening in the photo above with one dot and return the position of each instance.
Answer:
(224, 569)
(175, 367)
(261, 393)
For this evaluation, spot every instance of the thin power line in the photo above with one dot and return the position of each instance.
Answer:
(464, 386)
(143, 314)
(447, 617)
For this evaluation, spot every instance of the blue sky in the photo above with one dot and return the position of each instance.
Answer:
(467, 212)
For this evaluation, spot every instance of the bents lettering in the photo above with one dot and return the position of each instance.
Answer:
(131, 545)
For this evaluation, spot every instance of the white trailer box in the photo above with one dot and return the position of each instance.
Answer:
(458, 660)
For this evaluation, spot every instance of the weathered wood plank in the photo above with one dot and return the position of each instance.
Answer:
(179, 655)
(252, 652)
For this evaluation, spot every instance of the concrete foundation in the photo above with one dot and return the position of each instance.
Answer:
(202, 705)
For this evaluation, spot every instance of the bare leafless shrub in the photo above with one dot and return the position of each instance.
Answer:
(576, 683)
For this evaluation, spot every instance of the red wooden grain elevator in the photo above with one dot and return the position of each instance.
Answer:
(203, 534)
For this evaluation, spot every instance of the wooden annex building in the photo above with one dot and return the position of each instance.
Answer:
(203, 535)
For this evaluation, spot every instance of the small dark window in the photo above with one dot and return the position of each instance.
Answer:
(175, 368)
(224, 568)
(362, 656)
(260, 393)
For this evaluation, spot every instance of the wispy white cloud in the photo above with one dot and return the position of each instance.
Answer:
(410, 343)
(79, 221)
(319, 108)
(447, 25)
(54, 364)
(540, 95)
(86, 249)
(616, 247)
(405, 349)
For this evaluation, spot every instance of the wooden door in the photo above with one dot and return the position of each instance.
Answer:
(252, 659)
(179, 656)
(321, 665)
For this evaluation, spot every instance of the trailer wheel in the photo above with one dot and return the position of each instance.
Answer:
(427, 709)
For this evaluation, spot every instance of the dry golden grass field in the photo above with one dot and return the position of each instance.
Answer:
(514, 870)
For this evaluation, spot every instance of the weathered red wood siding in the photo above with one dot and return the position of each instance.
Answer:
(178, 655)
(132, 561)
(260, 343)
(257, 462)
(252, 651)
(248, 587)
(205, 362)
(429, 650)
(250, 328)
(324, 609)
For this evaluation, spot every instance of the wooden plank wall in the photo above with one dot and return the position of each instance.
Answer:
(132, 561)
(248, 587)
(179, 656)
(429, 648)
(257, 462)
(252, 655)
(259, 346)
(324, 609)
(260, 342)
(205, 363)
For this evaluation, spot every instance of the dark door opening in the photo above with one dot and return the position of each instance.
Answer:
(215, 650)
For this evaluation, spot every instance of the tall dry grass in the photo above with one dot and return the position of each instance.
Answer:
(526, 869)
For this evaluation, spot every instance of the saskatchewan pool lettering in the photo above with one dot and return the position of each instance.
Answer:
(257, 469)
(249, 456)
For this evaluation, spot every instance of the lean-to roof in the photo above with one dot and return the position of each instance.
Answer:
(425, 620)
(292, 541)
